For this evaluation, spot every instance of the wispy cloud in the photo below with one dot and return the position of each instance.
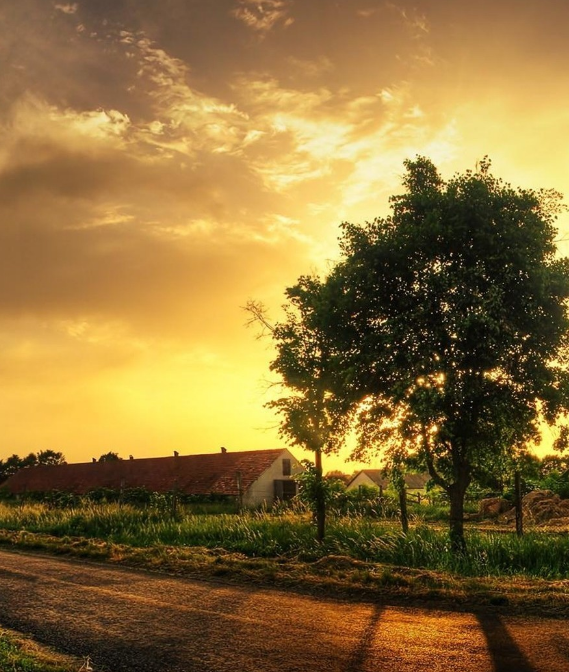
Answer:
(416, 21)
(312, 68)
(367, 12)
(186, 120)
(67, 8)
(263, 15)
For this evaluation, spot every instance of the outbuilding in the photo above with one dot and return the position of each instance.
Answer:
(253, 477)
(374, 478)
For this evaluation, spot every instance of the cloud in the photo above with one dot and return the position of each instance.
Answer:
(157, 223)
(155, 179)
(367, 12)
(97, 233)
(312, 68)
(67, 8)
(412, 18)
(262, 15)
(186, 121)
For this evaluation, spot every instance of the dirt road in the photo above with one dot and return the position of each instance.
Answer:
(134, 621)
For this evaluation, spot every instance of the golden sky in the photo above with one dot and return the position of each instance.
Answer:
(164, 161)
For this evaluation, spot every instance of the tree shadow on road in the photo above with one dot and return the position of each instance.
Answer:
(361, 652)
(506, 654)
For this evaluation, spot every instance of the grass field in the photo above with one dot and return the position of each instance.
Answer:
(291, 536)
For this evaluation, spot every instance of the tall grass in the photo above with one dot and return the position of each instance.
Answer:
(262, 534)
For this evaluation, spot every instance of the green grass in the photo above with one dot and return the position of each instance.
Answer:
(20, 654)
(288, 535)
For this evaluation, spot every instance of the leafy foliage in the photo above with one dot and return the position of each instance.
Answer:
(451, 319)
(311, 416)
(110, 457)
(312, 488)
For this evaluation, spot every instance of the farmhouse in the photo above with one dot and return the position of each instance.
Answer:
(254, 477)
(374, 478)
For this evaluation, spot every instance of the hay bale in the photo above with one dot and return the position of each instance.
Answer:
(492, 507)
(537, 496)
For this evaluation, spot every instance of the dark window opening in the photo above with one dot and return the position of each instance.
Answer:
(285, 490)
(286, 468)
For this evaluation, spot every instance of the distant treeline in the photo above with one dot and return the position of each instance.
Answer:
(14, 463)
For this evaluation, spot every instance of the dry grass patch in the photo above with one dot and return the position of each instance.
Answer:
(20, 653)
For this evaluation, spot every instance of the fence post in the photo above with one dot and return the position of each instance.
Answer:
(403, 510)
(518, 503)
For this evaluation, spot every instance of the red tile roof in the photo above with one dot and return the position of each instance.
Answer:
(214, 473)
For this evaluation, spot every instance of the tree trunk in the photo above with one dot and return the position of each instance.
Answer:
(456, 494)
(320, 501)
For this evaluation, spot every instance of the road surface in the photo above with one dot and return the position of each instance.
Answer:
(128, 620)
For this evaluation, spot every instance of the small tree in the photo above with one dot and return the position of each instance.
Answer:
(109, 457)
(10, 466)
(311, 416)
(451, 320)
(14, 463)
(49, 457)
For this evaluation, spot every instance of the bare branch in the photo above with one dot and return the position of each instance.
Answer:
(258, 316)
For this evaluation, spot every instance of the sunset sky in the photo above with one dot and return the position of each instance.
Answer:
(164, 161)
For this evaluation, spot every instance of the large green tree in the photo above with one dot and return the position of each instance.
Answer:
(451, 319)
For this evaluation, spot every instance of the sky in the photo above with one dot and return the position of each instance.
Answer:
(162, 162)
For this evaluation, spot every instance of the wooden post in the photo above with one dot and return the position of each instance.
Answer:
(239, 478)
(174, 503)
(320, 503)
(403, 510)
(518, 504)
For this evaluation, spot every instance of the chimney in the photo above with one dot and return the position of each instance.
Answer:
(176, 453)
(223, 449)
(130, 457)
(94, 459)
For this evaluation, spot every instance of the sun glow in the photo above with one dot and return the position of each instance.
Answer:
(150, 185)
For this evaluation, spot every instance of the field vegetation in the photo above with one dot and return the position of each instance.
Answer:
(364, 548)
(19, 653)
(370, 534)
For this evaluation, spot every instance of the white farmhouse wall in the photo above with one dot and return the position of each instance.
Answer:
(362, 479)
(263, 489)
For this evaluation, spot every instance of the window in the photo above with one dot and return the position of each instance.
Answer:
(286, 468)
(285, 490)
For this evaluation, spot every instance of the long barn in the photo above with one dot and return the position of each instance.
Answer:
(254, 476)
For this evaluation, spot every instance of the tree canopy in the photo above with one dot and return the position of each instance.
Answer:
(109, 457)
(447, 324)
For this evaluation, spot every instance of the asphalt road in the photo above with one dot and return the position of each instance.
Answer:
(128, 621)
